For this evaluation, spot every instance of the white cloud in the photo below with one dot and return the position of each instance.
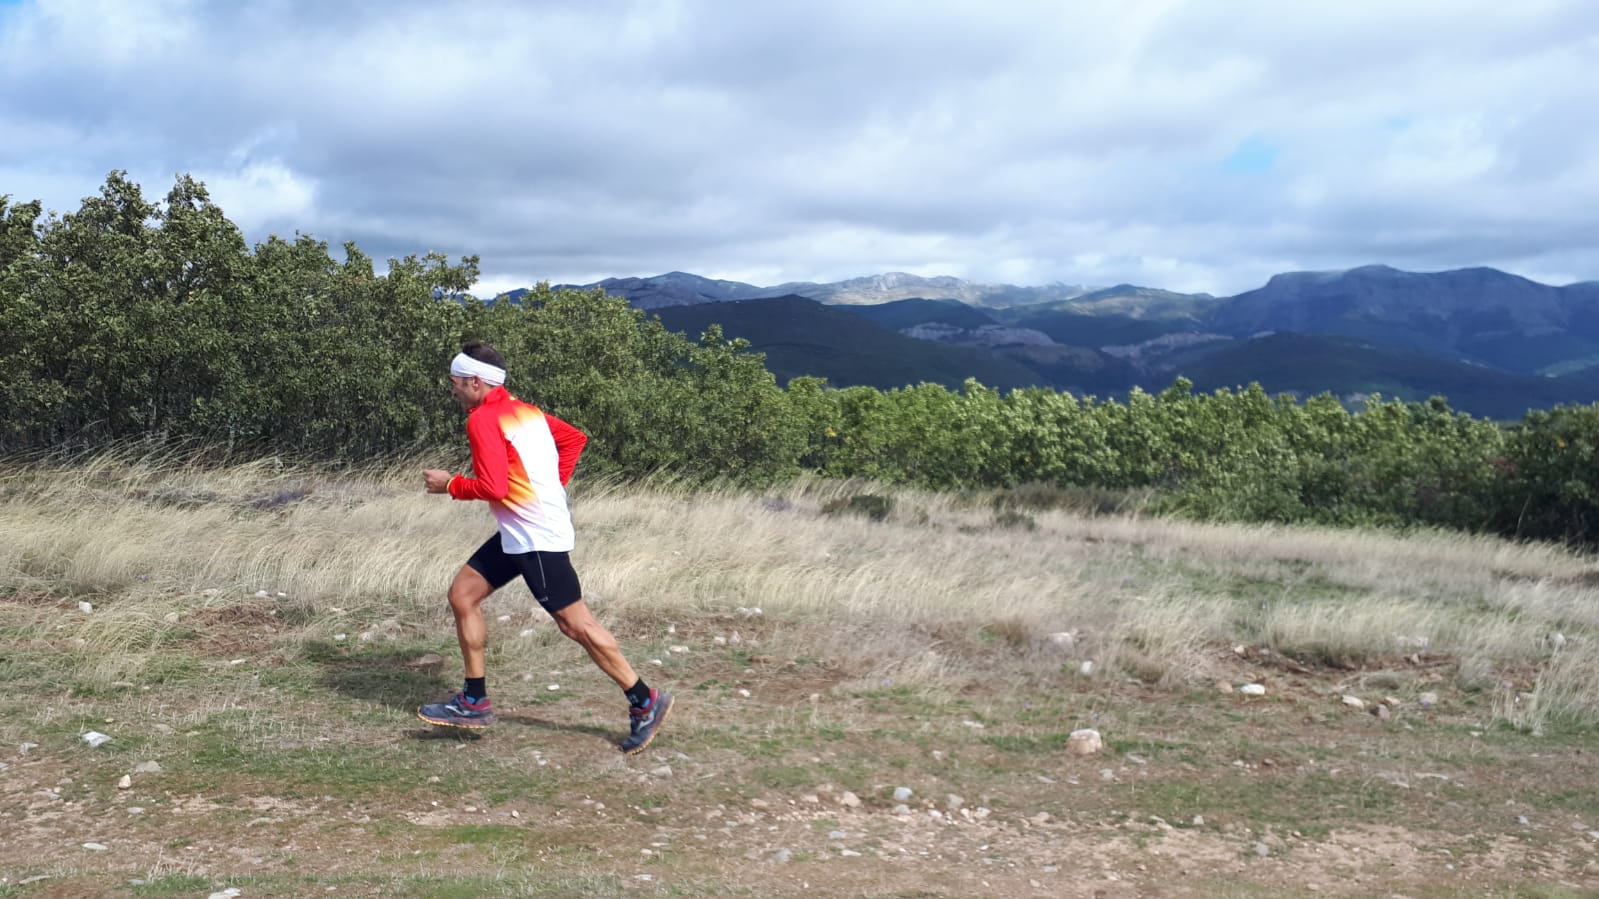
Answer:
(1027, 141)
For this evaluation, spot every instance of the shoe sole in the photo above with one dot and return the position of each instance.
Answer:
(483, 726)
(665, 716)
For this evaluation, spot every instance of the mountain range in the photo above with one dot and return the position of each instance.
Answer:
(1493, 343)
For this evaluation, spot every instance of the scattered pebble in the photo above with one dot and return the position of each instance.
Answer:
(902, 794)
(96, 847)
(679, 648)
(126, 782)
(95, 739)
(85, 607)
(1086, 667)
(1252, 690)
(849, 800)
(1354, 702)
(553, 687)
(656, 662)
(744, 693)
(1428, 699)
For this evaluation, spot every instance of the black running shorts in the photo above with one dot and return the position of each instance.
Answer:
(549, 575)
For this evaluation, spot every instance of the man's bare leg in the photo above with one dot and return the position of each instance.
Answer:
(467, 593)
(578, 623)
(466, 596)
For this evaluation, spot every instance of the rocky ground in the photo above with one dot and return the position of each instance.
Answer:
(275, 773)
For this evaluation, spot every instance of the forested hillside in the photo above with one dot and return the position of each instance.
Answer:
(130, 319)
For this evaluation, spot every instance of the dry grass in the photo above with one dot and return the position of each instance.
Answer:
(935, 595)
(260, 632)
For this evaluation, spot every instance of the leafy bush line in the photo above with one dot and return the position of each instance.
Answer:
(130, 319)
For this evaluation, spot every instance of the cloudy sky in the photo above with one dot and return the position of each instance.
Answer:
(1196, 145)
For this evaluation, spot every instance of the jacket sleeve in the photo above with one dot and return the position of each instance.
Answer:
(490, 463)
(569, 443)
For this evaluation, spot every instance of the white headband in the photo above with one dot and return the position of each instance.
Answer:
(464, 366)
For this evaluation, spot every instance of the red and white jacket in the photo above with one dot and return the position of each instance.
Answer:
(522, 458)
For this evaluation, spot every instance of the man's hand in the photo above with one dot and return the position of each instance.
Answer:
(437, 481)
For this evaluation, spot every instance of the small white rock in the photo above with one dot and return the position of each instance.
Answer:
(1063, 640)
(1252, 690)
(527, 632)
(96, 847)
(95, 739)
(744, 693)
(85, 607)
(1428, 699)
(849, 800)
(656, 662)
(719, 641)
(125, 782)
(1085, 742)
(1354, 702)
(262, 594)
(553, 687)
(902, 794)
(340, 638)
(679, 648)
(1557, 640)
(1087, 667)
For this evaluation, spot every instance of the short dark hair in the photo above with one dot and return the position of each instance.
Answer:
(482, 352)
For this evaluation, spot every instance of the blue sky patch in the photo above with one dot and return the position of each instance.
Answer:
(1253, 157)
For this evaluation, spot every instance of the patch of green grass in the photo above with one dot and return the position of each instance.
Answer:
(786, 777)
(1027, 743)
(484, 834)
(1296, 802)
(175, 885)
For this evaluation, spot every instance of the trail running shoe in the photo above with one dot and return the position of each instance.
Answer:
(647, 721)
(458, 712)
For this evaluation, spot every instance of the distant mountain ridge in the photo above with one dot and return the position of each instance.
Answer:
(685, 289)
(1483, 337)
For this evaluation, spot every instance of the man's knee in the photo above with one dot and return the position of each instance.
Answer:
(464, 601)
(576, 622)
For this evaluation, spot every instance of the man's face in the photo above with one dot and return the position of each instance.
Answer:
(468, 392)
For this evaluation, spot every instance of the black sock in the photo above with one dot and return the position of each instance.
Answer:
(476, 689)
(638, 695)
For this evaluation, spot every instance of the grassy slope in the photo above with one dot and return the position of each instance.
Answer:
(913, 652)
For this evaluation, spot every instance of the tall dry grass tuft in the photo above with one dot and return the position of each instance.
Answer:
(934, 594)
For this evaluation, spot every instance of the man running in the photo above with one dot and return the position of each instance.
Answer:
(522, 458)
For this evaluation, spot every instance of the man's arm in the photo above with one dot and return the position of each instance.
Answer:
(569, 443)
(489, 462)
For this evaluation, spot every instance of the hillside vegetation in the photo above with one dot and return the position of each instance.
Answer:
(133, 320)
